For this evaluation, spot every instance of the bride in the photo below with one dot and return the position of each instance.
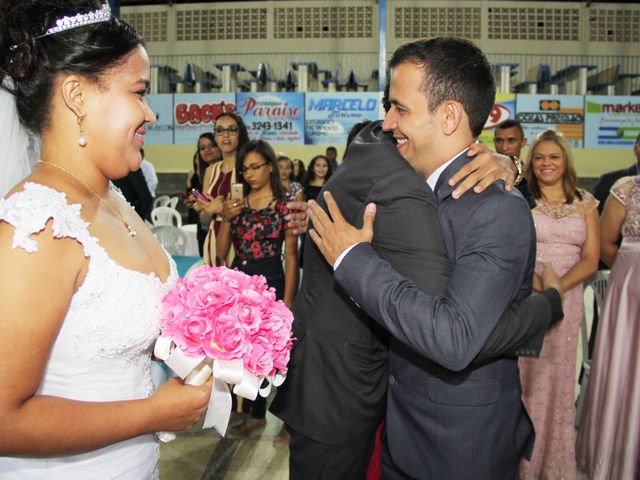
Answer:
(81, 274)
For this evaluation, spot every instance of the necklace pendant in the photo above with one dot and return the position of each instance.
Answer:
(132, 232)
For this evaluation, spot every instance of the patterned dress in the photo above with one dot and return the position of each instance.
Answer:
(608, 444)
(257, 239)
(548, 382)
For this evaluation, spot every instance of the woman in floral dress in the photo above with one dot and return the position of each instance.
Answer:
(567, 229)
(257, 229)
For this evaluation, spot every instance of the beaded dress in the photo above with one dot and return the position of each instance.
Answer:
(548, 382)
(103, 349)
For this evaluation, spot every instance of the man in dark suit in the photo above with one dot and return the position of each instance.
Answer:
(135, 190)
(447, 416)
(334, 396)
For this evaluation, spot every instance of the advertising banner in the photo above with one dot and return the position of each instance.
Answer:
(162, 132)
(329, 116)
(611, 121)
(562, 113)
(195, 113)
(503, 109)
(277, 117)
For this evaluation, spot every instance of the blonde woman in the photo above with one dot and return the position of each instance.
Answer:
(568, 240)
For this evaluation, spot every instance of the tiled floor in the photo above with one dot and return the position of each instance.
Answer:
(203, 454)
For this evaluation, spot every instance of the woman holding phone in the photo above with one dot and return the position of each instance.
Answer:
(207, 154)
(256, 227)
(230, 134)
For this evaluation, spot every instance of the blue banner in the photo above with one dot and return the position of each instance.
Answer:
(330, 116)
(562, 113)
(277, 117)
(611, 121)
(195, 113)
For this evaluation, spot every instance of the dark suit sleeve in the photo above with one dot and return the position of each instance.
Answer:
(524, 189)
(520, 331)
(491, 261)
(601, 189)
(135, 190)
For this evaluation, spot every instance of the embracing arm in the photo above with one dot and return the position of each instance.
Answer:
(44, 425)
(520, 331)
(484, 169)
(451, 329)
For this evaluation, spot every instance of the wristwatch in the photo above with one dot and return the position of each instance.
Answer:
(520, 167)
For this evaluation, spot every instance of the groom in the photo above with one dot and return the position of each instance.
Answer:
(462, 421)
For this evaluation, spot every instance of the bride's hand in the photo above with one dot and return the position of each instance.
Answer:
(177, 406)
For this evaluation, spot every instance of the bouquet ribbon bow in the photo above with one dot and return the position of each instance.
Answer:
(229, 324)
(197, 370)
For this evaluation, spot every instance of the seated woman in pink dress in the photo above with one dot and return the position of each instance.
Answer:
(608, 445)
(566, 220)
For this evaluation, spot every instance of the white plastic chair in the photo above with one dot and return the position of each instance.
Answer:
(598, 283)
(171, 238)
(162, 216)
(172, 203)
(161, 201)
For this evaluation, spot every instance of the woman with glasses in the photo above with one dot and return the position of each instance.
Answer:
(230, 134)
(256, 227)
(207, 154)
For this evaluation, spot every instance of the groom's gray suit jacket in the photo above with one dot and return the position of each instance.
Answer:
(336, 385)
(445, 417)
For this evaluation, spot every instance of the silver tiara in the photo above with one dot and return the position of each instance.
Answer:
(80, 20)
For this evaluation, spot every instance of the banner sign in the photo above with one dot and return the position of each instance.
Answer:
(503, 109)
(276, 117)
(162, 132)
(611, 121)
(195, 113)
(562, 113)
(330, 116)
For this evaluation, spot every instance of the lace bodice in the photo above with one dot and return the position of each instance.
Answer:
(627, 191)
(102, 351)
(561, 231)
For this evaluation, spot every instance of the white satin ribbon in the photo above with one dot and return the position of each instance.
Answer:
(196, 371)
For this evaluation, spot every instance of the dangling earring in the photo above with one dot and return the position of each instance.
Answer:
(82, 141)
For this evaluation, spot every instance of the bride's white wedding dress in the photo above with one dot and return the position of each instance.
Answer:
(102, 351)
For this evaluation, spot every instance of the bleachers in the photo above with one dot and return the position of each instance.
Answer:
(307, 76)
(604, 82)
(538, 80)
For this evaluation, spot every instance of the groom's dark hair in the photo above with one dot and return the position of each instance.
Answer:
(455, 69)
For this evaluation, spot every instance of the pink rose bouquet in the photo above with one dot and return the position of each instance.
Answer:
(231, 320)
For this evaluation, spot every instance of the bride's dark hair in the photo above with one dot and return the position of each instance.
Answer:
(33, 63)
